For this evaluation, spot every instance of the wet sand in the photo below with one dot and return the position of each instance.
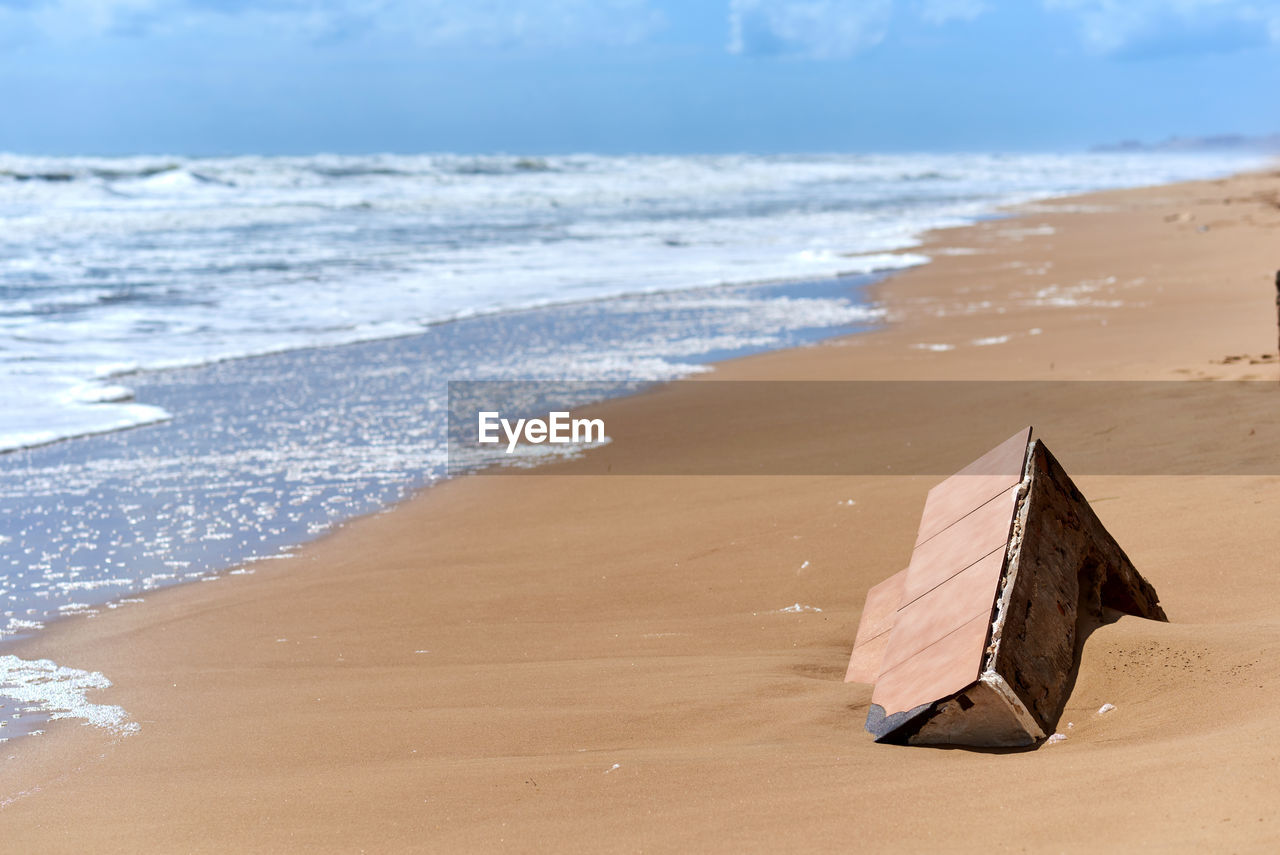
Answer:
(580, 662)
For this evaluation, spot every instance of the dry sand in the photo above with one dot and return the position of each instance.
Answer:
(584, 663)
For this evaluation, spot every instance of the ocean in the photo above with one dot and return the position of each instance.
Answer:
(205, 362)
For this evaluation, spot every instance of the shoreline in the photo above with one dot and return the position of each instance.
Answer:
(426, 328)
(85, 407)
(759, 685)
(311, 437)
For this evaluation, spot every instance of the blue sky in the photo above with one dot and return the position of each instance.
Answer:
(538, 76)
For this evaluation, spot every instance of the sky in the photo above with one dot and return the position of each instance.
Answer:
(207, 77)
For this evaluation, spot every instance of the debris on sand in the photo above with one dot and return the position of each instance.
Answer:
(978, 640)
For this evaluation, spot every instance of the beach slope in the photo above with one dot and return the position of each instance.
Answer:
(582, 662)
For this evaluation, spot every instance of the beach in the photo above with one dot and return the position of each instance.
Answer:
(578, 660)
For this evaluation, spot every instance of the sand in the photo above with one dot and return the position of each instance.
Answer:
(576, 662)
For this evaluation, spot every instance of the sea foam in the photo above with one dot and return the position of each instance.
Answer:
(58, 692)
(110, 265)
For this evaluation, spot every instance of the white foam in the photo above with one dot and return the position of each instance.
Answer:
(135, 263)
(17, 625)
(1030, 231)
(60, 692)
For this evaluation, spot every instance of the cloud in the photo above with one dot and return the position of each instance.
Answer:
(939, 12)
(541, 23)
(816, 29)
(1144, 28)
(431, 23)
